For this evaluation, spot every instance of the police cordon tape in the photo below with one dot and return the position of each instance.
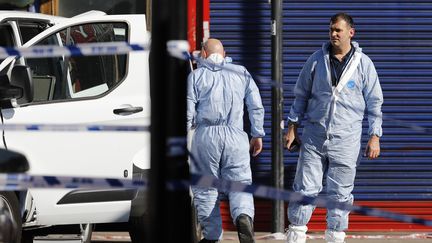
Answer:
(290, 196)
(12, 182)
(176, 48)
(74, 127)
(23, 181)
(85, 49)
(180, 50)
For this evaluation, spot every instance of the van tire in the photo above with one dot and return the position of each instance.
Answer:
(10, 203)
(138, 218)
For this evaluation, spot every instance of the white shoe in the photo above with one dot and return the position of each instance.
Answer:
(296, 234)
(334, 236)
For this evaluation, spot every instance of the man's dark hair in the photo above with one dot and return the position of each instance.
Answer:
(342, 16)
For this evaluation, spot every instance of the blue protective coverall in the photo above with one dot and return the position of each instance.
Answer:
(331, 138)
(220, 147)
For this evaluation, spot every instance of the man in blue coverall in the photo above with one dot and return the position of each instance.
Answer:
(335, 87)
(217, 91)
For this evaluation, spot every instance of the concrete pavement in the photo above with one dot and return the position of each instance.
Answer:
(264, 237)
(366, 237)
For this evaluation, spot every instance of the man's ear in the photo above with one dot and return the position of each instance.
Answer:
(224, 55)
(352, 32)
(203, 53)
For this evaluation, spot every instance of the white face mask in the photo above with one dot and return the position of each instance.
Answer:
(216, 58)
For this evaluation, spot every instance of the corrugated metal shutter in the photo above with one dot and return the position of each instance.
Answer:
(397, 35)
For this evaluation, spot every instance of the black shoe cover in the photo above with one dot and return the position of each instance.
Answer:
(245, 229)
(204, 240)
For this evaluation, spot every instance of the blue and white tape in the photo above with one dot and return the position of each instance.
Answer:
(17, 182)
(85, 49)
(73, 128)
(289, 196)
(25, 181)
(176, 48)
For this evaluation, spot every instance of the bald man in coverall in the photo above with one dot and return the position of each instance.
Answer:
(217, 91)
(335, 87)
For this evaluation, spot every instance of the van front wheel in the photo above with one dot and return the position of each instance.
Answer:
(10, 218)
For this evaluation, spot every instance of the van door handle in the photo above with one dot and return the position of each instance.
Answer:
(127, 111)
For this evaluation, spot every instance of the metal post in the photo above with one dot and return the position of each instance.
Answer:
(277, 113)
(170, 216)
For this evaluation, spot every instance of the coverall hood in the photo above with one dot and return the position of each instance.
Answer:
(325, 47)
(214, 62)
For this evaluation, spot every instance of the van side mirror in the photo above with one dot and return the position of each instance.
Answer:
(12, 162)
(21, 78)
(8, 92)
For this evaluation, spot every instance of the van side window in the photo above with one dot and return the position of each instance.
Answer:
(80, 76)
(29, 29)
(47, 69)
(6, 37)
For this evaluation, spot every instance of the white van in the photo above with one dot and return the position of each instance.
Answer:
(103, 90)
